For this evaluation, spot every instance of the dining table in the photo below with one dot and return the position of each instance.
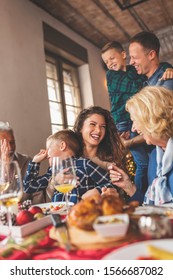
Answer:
(43, 244)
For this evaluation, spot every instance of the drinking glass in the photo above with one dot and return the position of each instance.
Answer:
(11, 189)
(63, 176)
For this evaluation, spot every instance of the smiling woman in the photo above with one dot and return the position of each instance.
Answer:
(152, 112)
(98, 135)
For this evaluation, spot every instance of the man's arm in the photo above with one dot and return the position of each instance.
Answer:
(139, 139)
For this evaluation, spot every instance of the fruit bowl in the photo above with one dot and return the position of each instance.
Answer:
(25, 220)
(26, 229)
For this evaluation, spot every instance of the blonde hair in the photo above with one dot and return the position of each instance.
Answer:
(69, 137)
(152, 107)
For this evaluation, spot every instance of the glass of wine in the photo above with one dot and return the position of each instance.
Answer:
(11, 190)
(63, 176)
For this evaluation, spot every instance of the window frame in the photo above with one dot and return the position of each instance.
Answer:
(61, 63)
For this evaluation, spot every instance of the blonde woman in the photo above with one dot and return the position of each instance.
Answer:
(151, 111)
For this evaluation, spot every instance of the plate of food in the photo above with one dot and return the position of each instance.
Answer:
(166, 209)
(170, 205)
(54, 207)
(161, 249)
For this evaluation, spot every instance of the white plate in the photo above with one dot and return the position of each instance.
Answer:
(168, 205)
(166, 209)
(62, 211)
(147, 210)
(134, 251)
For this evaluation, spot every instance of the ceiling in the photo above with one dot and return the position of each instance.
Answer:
(101, 21)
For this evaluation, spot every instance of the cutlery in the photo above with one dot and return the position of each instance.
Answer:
(62, 229)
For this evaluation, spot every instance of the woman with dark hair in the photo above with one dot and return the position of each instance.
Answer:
(99, 137)
(100, 141)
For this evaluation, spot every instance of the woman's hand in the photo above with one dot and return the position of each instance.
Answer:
(109, 191)
(121, 179)
(125, 135)
(126, 143)
(125, 138)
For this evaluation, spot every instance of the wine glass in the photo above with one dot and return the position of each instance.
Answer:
(63, 176)
(4, 178)
(11, 190)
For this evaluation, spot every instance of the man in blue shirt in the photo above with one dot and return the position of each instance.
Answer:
(144, 56)
(123, 81)
(144, 51)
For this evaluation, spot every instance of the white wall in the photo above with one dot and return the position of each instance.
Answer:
(23, 88)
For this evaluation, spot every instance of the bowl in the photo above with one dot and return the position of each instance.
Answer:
(112, 225)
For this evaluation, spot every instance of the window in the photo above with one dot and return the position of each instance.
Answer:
(63, 92)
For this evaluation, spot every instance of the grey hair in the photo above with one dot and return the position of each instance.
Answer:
(5, 127)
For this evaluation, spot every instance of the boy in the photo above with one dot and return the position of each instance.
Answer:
(123, 82)
(65, 143)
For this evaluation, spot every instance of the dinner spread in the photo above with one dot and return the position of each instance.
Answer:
(83, 214)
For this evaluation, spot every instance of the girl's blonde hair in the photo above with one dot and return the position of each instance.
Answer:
(152, 107)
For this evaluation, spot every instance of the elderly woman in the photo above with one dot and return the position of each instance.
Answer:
(151, 111)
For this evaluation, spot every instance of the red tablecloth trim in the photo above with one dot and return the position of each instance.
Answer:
(61, 254)
(47, 248)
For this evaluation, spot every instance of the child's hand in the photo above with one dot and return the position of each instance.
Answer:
(168, 74)
(42, 155)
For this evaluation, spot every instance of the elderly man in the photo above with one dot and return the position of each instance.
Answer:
(6, 133)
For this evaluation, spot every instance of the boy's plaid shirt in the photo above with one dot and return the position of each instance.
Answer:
(90, 176)
(121, 86)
